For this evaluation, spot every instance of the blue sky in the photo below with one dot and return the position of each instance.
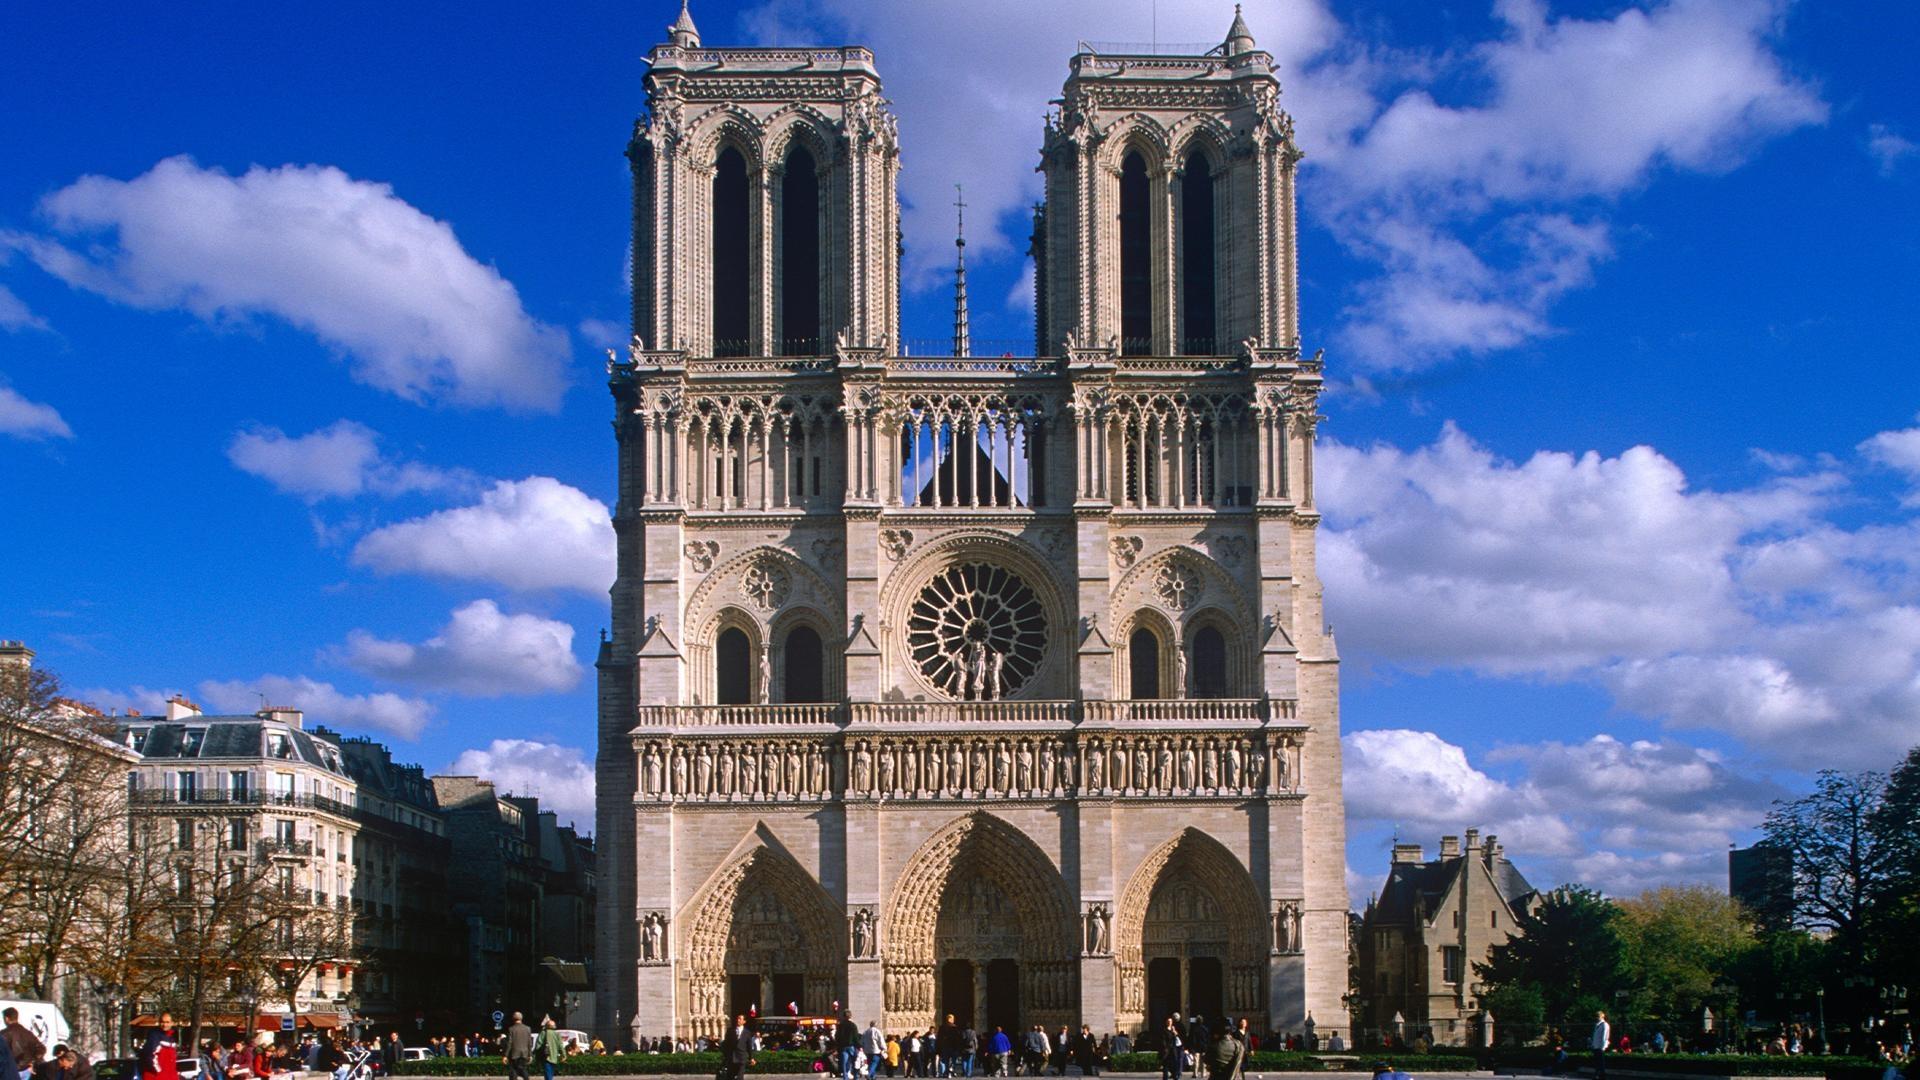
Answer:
(302, 311)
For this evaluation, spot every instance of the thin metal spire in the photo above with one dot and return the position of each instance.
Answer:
(962, 339)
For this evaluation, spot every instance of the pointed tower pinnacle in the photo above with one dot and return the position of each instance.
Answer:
(683, 33)
(1239, 38)
(962, 339)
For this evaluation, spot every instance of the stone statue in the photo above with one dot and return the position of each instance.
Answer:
(817, 770)
(766, 678)
(1209, 766)
(653, 769)
(1186, 765)
(910, 781)
(886, 769)
(976, 657)
(936, 767)
(862, 768)
(703, 771)
(957, 773)
(653, 946)
(1096, 754)
(1118, 771)
(1142, 779)
(979, 767)
(679, 770)
(792, 767)
(1163, 766)
(750, 773)
(1047, 781)
(996, 686)
(726, 770)
(1002, 765)
(863, 933)
(1023, 768)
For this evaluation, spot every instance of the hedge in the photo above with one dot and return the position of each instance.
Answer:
(1259, 1061)
(707, 1064)
(1834, 1067)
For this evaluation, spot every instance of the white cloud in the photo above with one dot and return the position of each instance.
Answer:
(1888, 148)
(340, 460)
(1614, 814)
(1475, 178)
(14, 312)
(561, 776)
(1747, 611)
(530, 534)
(347, 260)
(602, 333)
(133, 699)
(1898, 450)
(323, 703)
(482, 651)
(24, 419)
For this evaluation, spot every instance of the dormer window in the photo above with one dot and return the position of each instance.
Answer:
(190, 743)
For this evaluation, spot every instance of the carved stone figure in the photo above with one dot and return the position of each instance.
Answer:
(862, 768)
(653, 933)
(887, 751)
(653, 769)
(1142, 777)
(1023, 768)
(1163, 766)
(703, 771)
(790, 768)
(1002, 765)
(979, 756)
(1095, 774)
(726, 770)
(936, 768)
(750, 773)
(816, 771)
(1047, 782)
(863, 933)
(910, 781)
(679, 770)
(1232, 765)
(1186, 765)
(1209, 766)
(1118, 773)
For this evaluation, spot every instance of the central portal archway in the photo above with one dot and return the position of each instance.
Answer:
(1191, 936)
(981, 925)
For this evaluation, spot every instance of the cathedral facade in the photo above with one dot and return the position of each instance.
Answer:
(997, 686)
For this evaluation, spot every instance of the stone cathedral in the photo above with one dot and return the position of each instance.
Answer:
(997, 686)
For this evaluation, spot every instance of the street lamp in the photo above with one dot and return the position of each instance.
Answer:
(112, 996)
(250, 1001)
(1820, 998)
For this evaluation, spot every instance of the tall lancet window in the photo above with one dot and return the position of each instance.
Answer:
(731, 276)
(800, 256)
(1196, 258)
(1136, 257)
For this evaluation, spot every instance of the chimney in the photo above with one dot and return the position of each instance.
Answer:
(293, 717)
(1408, 853)
(1473, 839)
(15, 654)
(179, 708)
(1494, 848)
(1449, 847)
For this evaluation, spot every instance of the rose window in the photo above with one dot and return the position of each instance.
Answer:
(977, 632)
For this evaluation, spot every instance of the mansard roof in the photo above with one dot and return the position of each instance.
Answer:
(225, 738)
(1421, 887)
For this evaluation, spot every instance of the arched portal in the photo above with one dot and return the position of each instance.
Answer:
(760, 932)
(1143, 664)
(1191, 935)
(733, 667)
(981, 923)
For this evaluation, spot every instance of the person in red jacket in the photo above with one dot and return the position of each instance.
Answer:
(159, 1058)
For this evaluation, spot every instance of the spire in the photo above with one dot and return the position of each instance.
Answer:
(962, 343)
(683, 33)
(1239, 38)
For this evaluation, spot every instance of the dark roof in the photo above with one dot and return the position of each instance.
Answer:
(219, 737)
(1429, 882)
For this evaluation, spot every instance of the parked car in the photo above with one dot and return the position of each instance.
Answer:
(116, 1068)
(415, 1053)
(575, 1041)
(189, 1068)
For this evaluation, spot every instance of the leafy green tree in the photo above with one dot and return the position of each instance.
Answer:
(1682, 945)
(1519, 1013)
(1568, 950)
(1895, 915)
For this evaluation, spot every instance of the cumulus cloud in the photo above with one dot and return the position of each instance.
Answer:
(527, 535)
(1618, 815)
(132, 699)
(401, 717)
(15, 314)
(1899, 450)
(24, 419)
(340, 460)
(482, 651)
(561, 776)
(347, 260)
(1476, 178)
(1888, 148)
(1747, 611)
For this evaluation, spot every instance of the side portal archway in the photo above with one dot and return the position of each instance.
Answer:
(1191, 935)
(759, 924)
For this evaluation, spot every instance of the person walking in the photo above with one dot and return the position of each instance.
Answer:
(736, 1050)
(160, 1056)
(1171, 1049)
(1224, 1056)
(390, 1053)
(550, 1049)
(25, 1047)
(517, 1051)
(1086, 1051)
(873, 1042)
(1036, 1051)
(948, 1047)
(846, 1039)
(999, 1053)
(1602, 1038)
(969, 1048)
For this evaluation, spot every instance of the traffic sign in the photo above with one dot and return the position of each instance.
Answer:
(498, 1017)
(286, 1021)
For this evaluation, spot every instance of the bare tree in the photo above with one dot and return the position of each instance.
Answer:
(1839, 862)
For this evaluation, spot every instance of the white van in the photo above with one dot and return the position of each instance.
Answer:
(44, 1019)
